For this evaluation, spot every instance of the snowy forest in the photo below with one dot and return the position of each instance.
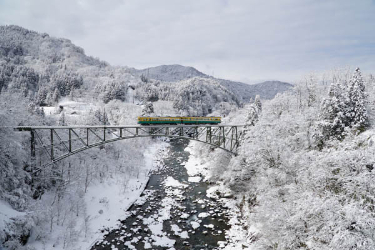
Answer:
(302, 178)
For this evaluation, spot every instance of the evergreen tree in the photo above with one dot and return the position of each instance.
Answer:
(105, 118)
(356, 106)
(333, 110)
(254, 111)
(344, 108)
(56, 95)
(258, 103)
(42, 96)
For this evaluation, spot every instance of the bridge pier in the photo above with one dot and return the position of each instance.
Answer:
(32, 143)
(70, 140)
(32, 151)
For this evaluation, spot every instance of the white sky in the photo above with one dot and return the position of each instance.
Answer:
(245, 40)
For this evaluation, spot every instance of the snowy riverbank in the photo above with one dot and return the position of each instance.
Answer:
(106, 205)
(200, 166)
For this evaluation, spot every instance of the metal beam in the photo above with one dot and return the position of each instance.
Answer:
(70, 140)
(51, 144)
(215, 135)
(32, 142)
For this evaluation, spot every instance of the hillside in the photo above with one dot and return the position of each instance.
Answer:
(303, 178)
(245, 92)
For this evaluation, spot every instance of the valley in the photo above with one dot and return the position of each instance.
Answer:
(300, 176)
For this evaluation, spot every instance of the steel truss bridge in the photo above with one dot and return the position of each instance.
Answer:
(60, 142)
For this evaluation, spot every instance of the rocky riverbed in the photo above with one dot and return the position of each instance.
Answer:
(173, 212)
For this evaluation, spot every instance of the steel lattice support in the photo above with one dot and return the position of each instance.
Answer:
(58, 143)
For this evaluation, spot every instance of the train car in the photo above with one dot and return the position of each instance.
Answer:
(144, 120)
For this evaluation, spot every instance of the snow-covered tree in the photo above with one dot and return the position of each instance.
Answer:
(62, 119)
(311, 83)
(254, 111)
(101, 117)
(333, 112)
(112, 90)
(42, 96)
(356, 107)
(67, 81)
(258, 103)
(148, 109)
(56, 95)
(344, 108)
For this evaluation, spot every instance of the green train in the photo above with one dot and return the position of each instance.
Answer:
(143, 120)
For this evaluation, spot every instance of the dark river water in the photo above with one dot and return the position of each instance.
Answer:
(176, 216)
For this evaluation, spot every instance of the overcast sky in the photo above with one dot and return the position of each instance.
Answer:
(245, 40)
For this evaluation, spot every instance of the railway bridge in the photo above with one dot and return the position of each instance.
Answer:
(60, 142)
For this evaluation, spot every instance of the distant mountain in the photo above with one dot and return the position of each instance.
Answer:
(269, 89)
(245, 92)
(169, 73)
(266, 90)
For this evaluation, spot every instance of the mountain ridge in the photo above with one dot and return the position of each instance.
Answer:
(176, 72)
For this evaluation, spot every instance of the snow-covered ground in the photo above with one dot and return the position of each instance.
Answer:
(106, 204)
(7, 213)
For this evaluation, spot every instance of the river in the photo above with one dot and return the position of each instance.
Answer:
(172, 212)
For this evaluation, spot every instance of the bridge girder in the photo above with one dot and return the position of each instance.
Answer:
(60, 142)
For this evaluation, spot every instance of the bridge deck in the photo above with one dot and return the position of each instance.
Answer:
(27, 128)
